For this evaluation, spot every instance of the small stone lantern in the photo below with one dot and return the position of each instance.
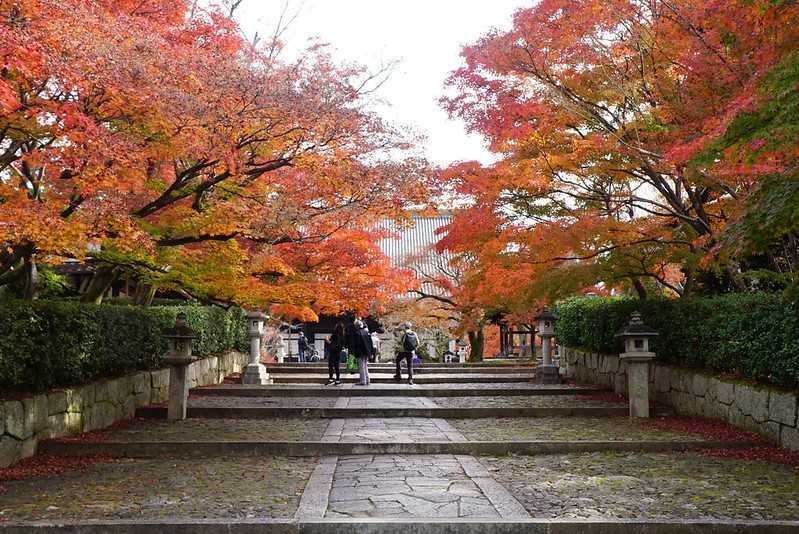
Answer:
(180, 338)
(255, 372)
(547, 372)
(636, 353)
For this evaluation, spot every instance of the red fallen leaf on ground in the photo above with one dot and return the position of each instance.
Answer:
(709, 429)
(234, 378)
(37, 466)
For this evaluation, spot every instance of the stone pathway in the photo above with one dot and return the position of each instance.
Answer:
(390, 487)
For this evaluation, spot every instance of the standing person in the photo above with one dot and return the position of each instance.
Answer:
(302, 346)
(376, 344)
(408, 344)
(363, 349)
(335, 344)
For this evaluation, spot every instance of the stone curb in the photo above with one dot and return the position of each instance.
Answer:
(159, 412)
(406, 526)
(210, 449)
(332, 391)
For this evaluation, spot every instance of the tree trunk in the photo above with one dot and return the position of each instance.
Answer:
(144, 294)
(477, 344)
(30, 289)
(104, 276)
(639, 288)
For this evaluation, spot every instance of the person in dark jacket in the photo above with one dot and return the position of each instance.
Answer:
(408, 344)
(363, 349)
(335, 348)
(302, 346)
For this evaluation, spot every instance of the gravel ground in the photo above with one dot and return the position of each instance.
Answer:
(538, 401)
(222, 430)
(153, 489)
(261, 402)
(623, 485)
(562, 429)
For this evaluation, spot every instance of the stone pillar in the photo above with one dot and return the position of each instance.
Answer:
(638, 386)
(178, 393)
(547, 373)
(255, 372)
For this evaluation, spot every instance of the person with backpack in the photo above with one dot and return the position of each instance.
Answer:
(409, 342)
(302, 346)
(363, 349)
(335, 346)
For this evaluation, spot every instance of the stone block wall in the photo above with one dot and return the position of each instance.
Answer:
(768, 411)
(68, 412)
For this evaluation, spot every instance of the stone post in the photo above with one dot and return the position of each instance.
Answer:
(180, 339)
(637, 355)
(255, 372)
(547, 372)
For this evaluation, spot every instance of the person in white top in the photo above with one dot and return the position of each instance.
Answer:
(376, 345)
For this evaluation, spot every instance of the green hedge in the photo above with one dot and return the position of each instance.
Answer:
(752, 336)
(56, 344)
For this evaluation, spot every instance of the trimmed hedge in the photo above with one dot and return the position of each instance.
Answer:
(56, 344)
(752, 335)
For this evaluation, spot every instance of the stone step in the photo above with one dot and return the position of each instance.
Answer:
(387, 378)
(511, 365)
(211, 449)
(425, 369)
(387, 390)
(406, 526)
(159, 412)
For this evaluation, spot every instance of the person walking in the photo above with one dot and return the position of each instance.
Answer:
(335, 345)
(363, 349)
(302, 347)
(408, 344)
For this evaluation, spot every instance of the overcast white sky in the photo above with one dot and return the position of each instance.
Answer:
(424, 35)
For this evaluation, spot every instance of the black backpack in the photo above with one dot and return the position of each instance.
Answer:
(410, 342)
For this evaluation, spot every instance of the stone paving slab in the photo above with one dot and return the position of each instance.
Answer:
(564, 429)
(391, 430)
(436, 486)
(150, 489)
(648, 485)
(385, 402)
(221, 430)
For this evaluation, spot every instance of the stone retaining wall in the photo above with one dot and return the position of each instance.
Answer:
(768, 411)
(68, 412)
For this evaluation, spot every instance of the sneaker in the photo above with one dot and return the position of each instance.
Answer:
(397, 377)
(330, 382)
(338, 382)
(410, 382)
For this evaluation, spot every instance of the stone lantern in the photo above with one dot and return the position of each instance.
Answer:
(636, 353)
(547, 372)
(255, 372)
(180, 338)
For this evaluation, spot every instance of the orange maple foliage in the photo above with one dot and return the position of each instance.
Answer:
(191, 159)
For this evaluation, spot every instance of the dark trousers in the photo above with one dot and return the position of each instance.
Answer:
(333, 361)
(409, 357)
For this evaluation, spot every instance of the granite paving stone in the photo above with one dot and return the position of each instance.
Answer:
(127, 489)
(390, 430)
(626, 485)
(385, 486)
(261, 402)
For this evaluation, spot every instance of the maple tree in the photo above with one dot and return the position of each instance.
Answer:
(154, 135)
(634, 137)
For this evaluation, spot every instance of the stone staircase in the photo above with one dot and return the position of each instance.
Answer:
(470, 448)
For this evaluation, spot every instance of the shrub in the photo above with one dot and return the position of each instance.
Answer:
(752, 335)
(56, 344)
